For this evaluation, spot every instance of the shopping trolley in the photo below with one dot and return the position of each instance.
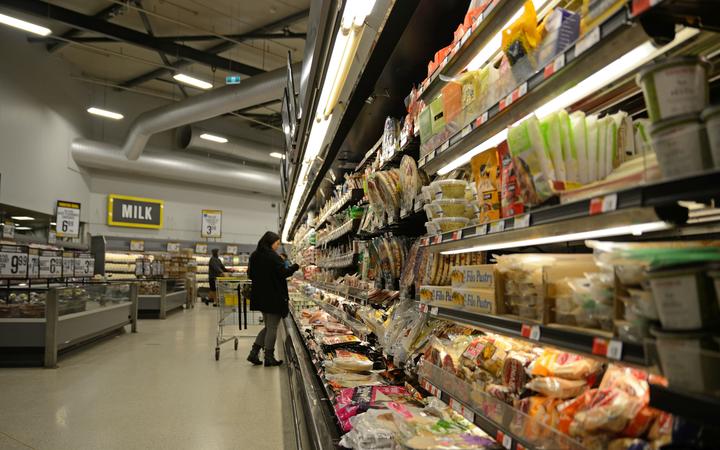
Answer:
(232, 311)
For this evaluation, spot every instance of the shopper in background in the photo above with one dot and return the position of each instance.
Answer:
(269, 295)
(215, 269)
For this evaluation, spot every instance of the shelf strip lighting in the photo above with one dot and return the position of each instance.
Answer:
(23, 25)
(105, 113)
(187, 79)
(344, 49)
(213, 138)
(26, 218)
(635, 230)
(627, 63)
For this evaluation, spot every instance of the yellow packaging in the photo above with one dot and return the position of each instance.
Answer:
(436, 294)
(486, 173)
(480, 300)
(478, 276)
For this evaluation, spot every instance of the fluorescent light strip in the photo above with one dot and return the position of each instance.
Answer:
(187, 79)
(346, 41)
(277, 155)
(22, 228)
(105, 113)
(23, 25)
(627, 63)
(214, 138)
(22, 218)
(636, 230)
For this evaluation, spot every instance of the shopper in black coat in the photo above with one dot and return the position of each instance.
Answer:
(269, 294)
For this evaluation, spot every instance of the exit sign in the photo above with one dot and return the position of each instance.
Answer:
(232, 79)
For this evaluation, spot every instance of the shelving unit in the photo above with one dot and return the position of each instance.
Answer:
(347, 199)
(173, 295)
(345, 229)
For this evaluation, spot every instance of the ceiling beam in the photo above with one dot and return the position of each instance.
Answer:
(88, 23)
(111, 11)
(189, 38)
(225, 46)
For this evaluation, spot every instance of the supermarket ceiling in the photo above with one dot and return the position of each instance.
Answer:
(138, 45)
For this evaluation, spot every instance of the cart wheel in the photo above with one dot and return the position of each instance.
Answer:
(217, 353)
(237, 341)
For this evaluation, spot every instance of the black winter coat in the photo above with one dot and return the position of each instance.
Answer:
(269, 276)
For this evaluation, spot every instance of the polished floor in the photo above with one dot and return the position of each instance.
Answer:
(158, 389)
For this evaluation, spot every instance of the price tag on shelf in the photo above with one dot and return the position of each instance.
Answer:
(482, 119)
(465, 131)
(640, 6)
(497, 227)
(504, 440)
(13, 262)
(465, 36)
(445, 145)
(456, 47)
(481, 230)
(531, 332)
(423, 307)
(587, 41)
(521, 221)
(603, 204)
(609, 348)
(434, 311)
(614, 350)
(436, 239)
(51, 266)
(430, 156)
(456, 235)
(519, 446)
(556, 65)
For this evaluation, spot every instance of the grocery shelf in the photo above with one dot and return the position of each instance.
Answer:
(339, 262)
(614, 37)
(598, 345)
(358, 328)
(700, 408)
(696, 13)
(348, 292)
(349, 227)
(507, 425)
(409, 224)
(494, 17)
(640, 204)
(349, 198)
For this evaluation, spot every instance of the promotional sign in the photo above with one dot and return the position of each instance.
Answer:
(84, 265)
(51, 264)
(211, 226)
(201, 249)
(67, 223)
(8, 230)
(137, 246)
(68, 265)
(134, 212)
(173, 247)
(33, 263)
(13, 261)
(231, 250)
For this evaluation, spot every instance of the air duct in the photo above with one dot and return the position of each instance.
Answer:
(252, 91)
(177, 167)
(236, 148)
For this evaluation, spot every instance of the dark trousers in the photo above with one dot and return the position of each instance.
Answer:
(267, 336)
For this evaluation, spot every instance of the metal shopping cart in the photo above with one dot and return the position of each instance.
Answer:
(232, 311)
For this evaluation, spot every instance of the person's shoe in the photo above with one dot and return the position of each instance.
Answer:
(215, 305)
(270, 360)
(254, 356)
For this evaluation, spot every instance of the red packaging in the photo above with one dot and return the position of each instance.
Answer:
(510, 194)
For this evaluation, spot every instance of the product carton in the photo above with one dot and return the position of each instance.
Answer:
(436, 294)
(478, 276)
(480, 300)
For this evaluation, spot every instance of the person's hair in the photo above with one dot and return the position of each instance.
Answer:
(268, 239)
(215, 252)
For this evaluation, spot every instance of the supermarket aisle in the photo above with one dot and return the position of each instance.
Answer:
(158, 389)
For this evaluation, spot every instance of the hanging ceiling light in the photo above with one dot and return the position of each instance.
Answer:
(213, 138)
(105, 113)
(187, 79)
(23, 25)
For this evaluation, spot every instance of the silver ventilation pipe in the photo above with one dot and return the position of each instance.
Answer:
(236, 148)
(252, 91)
(177, 167)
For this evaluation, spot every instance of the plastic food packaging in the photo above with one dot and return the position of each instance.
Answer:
(449, 188)
(410, 182)
(439, 294)
(486, 173)
(553, 363)
(532, 161)
(675, 87)
(514, 373)
(437, 119)
(568, 147)
(602, 146)
(522, 37)
(689, 360)
(643, 303)
(447, 224)
(449, 207)
(711, 118)
(579, 143)
(555, 387)
(510, 193)
(684, 297)
(351, 361)
(592, 147)
(681, 146)
(550, 127)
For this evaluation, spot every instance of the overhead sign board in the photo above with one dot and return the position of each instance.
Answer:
(135, 212)
(201, 249)
(211, 225)
(231, 249)
(8, 230)
(67, 222)
(173, 247)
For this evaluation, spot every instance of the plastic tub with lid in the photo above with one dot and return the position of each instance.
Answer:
(711, 117)
(675, 86)
(641, 302)
(449, 188)
(689, 360)
(446, 224)
(681, 146)
(431, 212)
(684, 297)
(450, 207)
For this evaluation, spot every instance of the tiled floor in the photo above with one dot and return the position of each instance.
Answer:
(158, 389)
